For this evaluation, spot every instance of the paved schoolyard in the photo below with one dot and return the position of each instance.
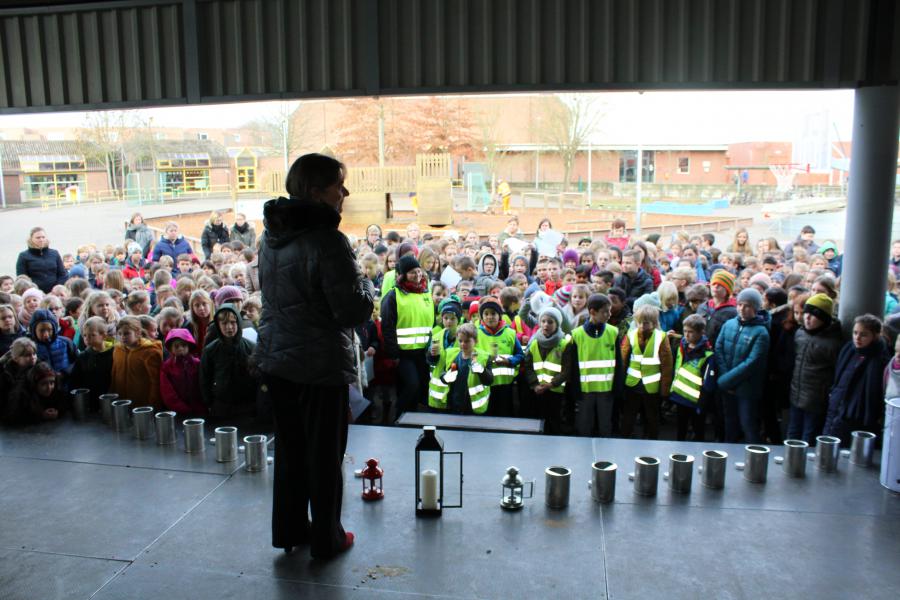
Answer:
(70, 226)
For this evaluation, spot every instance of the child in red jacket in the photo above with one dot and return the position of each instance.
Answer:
(179, 376)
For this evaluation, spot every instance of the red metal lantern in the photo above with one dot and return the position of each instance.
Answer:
(373, 486)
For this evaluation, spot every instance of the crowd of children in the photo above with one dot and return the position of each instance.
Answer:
(605, 336)
(614, 336)
(172, 332)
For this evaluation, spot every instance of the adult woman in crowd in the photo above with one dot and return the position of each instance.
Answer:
(42, 264)
(315, 295)
(242, 231)
(214, 233)
(138, 231)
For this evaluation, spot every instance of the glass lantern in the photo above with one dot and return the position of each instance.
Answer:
(430, 474)
(373, 486)
(513, 490)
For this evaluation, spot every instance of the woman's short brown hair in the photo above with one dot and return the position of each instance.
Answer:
(312, 171)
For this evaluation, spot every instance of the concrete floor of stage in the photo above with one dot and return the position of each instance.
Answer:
(88, 513)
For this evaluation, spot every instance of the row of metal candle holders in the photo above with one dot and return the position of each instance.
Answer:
(145, 424)
(645, 477)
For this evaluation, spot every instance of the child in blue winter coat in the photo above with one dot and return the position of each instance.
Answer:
(742, 348)
(56, 350)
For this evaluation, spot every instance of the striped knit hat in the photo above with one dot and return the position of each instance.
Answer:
(723, 278)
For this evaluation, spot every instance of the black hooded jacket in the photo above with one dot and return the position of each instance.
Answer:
(313, 292)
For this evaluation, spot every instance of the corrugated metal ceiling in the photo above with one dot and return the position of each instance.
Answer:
(152, 52)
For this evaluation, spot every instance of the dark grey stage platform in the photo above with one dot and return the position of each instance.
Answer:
(90, 514)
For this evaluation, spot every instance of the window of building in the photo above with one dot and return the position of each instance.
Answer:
(684, 165)
(160, 135)
(202, 136)
(246, 171)
(183, 173)
(237, 137)
(628, 166)
(53, 177)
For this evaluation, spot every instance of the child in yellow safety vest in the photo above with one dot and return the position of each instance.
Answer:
(545, 368)
(648, 377)
(444, 336)
(694, 380)
(594, 361)
(499, 341)
(461, 380)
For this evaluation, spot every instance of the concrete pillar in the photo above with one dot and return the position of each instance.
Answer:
(870, 204)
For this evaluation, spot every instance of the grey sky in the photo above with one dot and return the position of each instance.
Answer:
(653, 117)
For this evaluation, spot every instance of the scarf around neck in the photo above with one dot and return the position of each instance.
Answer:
(544, 342)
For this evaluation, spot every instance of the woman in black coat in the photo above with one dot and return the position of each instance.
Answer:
(41, 263)
(214, 233)
(315, 294)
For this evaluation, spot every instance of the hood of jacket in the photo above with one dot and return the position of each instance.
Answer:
(229, 308)
(481, 265)
(287, 218)
(697, 351)
(761, 319)
(42, 315)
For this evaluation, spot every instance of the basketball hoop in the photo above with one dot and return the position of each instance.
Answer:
(784, 176)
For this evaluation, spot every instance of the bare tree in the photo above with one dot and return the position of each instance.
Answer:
(282, 128)
(566, 122)
(488, 127)
(101, 139)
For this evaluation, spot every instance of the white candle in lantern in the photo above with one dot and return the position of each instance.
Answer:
(429, 486)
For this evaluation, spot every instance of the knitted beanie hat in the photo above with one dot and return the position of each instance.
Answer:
(451, 304)
(563, 295)
(723, 278)
(751, 297)
(762, 280)
(570, 255)
(407, 264)
(489, 302)
(820, 305)
(32, 293)
(553, 313)
(828, 246)
(651, 299)
(227, 293)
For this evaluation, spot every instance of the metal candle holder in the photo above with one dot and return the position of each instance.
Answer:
(256, 452)
(165, 428)
(646, 475)
(194, 436)
(828, 450)
(121, 415)
(603, 481)
(557, 479)
(681, 473)
(862, 447)
(142, 417)
(80, 399)
(106, 401)
(756, 463)
(226, 444)
(794, 464)
(714, 469)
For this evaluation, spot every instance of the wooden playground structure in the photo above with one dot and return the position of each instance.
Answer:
(373, 190)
